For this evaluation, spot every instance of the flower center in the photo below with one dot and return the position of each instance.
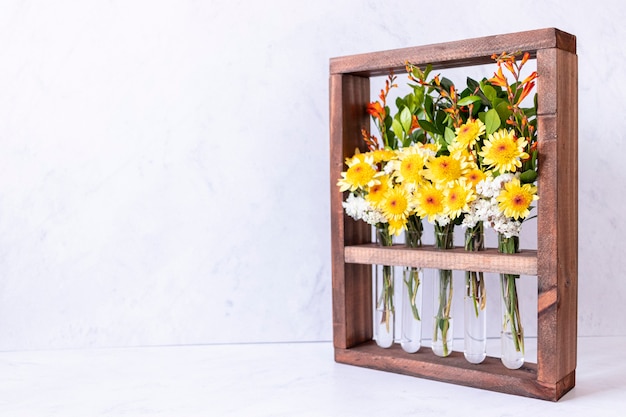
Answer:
(360, 174)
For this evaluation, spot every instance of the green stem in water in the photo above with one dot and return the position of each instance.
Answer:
(445, 306)
(413, 239)
(412, 284)
(444, 240)
(386, 298)
(475, 241)
(512, 317)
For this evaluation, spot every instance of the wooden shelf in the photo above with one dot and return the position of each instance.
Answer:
(489, 260)
(555, 263)
(490, 374)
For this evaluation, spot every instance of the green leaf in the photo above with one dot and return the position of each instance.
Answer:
(466, 101)
(427, 126)
(427, 71)
(530, 111)
(418, 95)
(528, 177)
(490, 93)
(417, 73)
(492, 121)
(409, 99)
(446, 83)
(503, 109)
(405, 119)
(472, 84)
(397, 128)
(428, 106)
(441, 141)
(449, 135)
(440, 121)
(418, 135)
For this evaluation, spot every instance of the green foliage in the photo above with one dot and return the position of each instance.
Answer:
(492, 121)
(466, 101)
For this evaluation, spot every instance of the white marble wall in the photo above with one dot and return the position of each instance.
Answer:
(164, 164)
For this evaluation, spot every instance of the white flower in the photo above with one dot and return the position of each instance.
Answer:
(470, 220)
(506, 226)
(442, 220)
(483, 209)
(391, 167)
(355, 206)
(500, 180)
(484, 188)
(359, 209)
(374, 217)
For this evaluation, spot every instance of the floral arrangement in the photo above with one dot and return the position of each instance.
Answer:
(453, 158)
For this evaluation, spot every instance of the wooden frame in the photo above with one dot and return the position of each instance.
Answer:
(554, 262)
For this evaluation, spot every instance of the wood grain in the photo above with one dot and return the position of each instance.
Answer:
(352, 284)
(490, 374)
(489, 260)
(463, 53)
(557, 213)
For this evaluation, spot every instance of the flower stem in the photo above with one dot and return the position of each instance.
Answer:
(444, 240)
(512, 319)
(474, 281)
(386, 298)
(412, 284)
(445, 306)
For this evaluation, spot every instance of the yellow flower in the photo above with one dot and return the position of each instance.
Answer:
(503, 151)
(457, 148)
(469, 132)
(515, 199)
(431, 148)
(395, 204)
(383, 155)
(360, 174)
(444, 170)
(474, 176)
(357, 157)
(457, 199)
(411, 166)
(397, 226)
(430, 202)
(376, 193)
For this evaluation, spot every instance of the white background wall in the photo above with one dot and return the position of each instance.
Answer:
(164, 164)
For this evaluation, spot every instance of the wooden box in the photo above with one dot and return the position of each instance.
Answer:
(554, 262)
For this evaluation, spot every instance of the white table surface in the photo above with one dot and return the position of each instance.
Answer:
(287, 379)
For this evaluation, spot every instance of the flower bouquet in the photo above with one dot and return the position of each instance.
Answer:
(452, 158)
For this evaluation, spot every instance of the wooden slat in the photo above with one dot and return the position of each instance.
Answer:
(352, 284)
(567, 203)
(524, 263)
(557, 214)
(490, 374)
(453, 54)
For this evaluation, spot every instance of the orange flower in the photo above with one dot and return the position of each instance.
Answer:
(527, 89)
(498, 78)
(530, 78)
(376, 110)
(370, 140)
(414, 123)
(509, 65)
(452, 93)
